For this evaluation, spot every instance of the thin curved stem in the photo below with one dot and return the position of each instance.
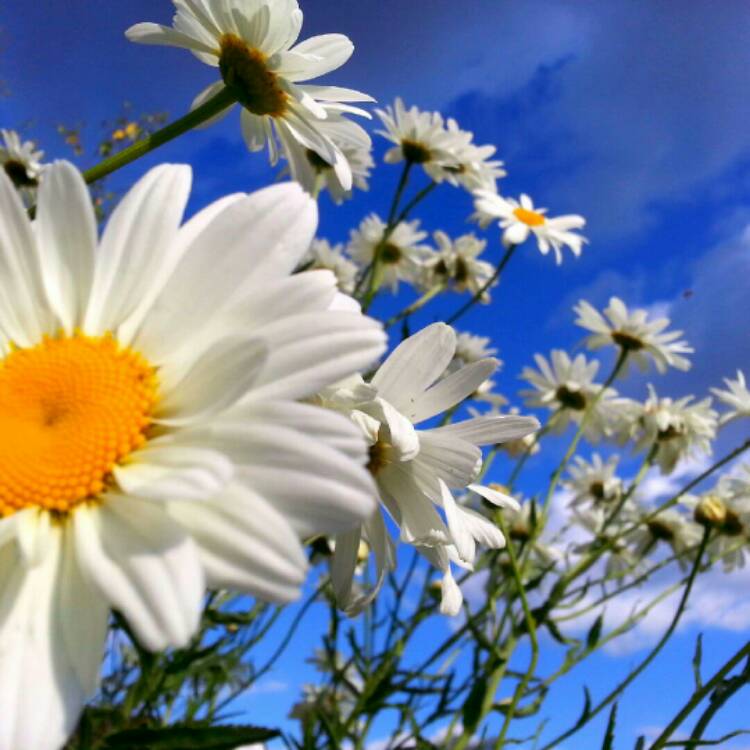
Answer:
(206, 111)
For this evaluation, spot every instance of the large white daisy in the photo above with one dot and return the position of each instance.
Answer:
(252, 42)
(151, 442)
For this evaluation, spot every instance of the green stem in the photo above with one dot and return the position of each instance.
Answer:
(615, 693)
(487, 284)
(414, 306)
(699, 695)
(206, 111)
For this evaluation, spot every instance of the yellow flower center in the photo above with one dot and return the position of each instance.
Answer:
(246, 74)
(70, 409)
(530, 218)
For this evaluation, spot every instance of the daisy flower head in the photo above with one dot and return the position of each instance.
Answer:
(416, 469)
(323, 255)
(594, 482)
(566, 387)
(455, 263)
(418, 137)
(473, 167)
(316, 174)
(675, 429)
(253, 44)
(671, 527)
(152, 439)
(642, 339)
(737, 397)
(471, 348)
(519, 218)
(402, 254)
(20, 160)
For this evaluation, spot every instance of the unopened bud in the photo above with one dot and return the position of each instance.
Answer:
(711, 511)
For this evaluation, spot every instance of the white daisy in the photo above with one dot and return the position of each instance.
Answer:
(402, 255)
(252, 42)
(151, 439)
(518, 219)
(314, 173)
(21, 160)
(455, 263)
(634, 333)
(323, 255)
(474, 168)
(678, 428)
(672, 528)
(737, 398)
(522, 526)
(419, 138)
(471, 348)
(416, 469)
(594, 482)
(566, 387)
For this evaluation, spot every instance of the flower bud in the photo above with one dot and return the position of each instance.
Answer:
(711, 511)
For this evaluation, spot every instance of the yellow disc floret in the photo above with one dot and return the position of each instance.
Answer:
(70, 409)
(530, 218)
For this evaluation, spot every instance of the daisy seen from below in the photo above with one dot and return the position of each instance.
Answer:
(594, 482)
(152, 439)
(641, 339)
(737, 397)
(20, 160)
(566, 386)
(416, 469)
(674, 428)
(519, 218)
(323, 255)
(456, 264)
(402, 255)
(253, 44)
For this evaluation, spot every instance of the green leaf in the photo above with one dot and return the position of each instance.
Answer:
(472, 708)
(595, 632)
(640, 743)
(189, 738)
(609, 735)
(586, 707)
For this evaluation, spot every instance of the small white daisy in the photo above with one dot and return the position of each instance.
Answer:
(518, 219)
(455, 263)
(21, 160)
(634, 333)
(678, 428)
(152, 442)
(474, 168)
(594, 482)
(402, 256)
(672, 528)
(323, 255)
(737, 397)
(471, 348)
(252, 42)
(566, 387)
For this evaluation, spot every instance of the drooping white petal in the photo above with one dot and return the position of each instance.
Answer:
(66, 232)
(144, 565)
(490, 430)
(343, 565)
(154, 33)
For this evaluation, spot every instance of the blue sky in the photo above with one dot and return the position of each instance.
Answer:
(632, 114)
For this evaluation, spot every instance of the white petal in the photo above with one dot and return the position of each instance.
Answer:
(452, 598)
(24, 311)
(451, 390)
(463, 540)
(415, 365)
(174, 472)
(315, 57)
(134, 245)
(154, 33)
(496, 498)
(490, 430)
(66, 231)
(259, 237)
(245, 544)
(343, 565)
(219, 378)
(144, 565)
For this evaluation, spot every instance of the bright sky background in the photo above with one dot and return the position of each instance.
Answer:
(632, 114)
